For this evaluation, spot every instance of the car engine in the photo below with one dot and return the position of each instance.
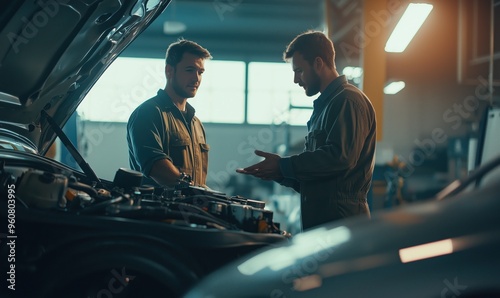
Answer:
(69, 231)
(184, 205)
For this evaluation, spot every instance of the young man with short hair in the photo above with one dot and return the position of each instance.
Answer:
(333, 174)
(166, 140)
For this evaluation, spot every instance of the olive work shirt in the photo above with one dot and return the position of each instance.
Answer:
(334, 173)
(157, 130)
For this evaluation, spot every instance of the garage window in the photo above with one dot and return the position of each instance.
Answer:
(273, 97)
(130, 81)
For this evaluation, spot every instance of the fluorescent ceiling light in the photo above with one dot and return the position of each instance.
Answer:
(394, 87)
(425, 251)
(407, 27)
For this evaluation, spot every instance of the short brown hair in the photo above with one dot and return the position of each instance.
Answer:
(312, 44)
(177, 49)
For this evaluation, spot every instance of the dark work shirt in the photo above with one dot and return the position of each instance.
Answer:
(333, 174)
(157, 130)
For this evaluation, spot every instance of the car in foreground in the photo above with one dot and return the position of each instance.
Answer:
(447, 247)
(66, 232)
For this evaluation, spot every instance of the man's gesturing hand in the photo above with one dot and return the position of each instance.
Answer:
(268, 169)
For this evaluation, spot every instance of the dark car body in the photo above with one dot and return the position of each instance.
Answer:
(65, 232)
(447, 247)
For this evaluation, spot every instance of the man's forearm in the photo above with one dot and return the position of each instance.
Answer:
(164, 172)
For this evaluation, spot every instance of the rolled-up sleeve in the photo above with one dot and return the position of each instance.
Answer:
(146, 136)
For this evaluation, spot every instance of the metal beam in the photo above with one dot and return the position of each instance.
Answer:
(374, 57)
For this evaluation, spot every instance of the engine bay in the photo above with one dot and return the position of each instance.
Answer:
(185, 205)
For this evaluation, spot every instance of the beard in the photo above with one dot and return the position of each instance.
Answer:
(314, 85)
(181, 91)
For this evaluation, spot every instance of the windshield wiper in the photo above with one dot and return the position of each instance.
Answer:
(71, 148)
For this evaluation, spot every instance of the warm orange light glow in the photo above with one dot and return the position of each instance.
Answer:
(307, 283)
(425, 251)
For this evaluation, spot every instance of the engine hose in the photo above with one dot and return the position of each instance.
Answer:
(83, 187)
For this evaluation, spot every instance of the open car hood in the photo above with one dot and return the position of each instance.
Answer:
(53, 51)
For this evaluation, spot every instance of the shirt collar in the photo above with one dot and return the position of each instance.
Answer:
(330, 89)
(167, 101)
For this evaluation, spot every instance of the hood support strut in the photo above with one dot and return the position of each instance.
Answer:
(71, 148)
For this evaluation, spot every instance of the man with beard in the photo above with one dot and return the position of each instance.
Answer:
(333, 174)
(166, 140)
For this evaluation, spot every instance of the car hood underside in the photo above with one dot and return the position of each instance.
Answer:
(52, 52)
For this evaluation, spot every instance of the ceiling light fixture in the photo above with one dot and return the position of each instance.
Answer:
(407, 27)
(394, 87)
